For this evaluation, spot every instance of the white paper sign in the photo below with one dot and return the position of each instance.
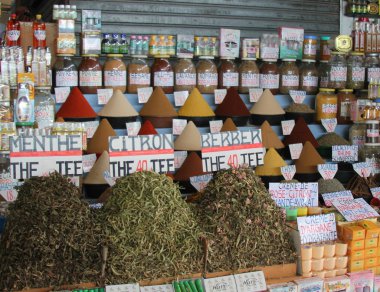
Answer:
(364, 169)
(90, 128)
(144, 94)
(88, 162)
(328, 171)
(294, 194)
(123, 288)
(288, 171)
(200, 182)
(133, 128)
(180, 97)
(178, 126)
(287, 127)
(7, 187)
(353, 210)
(179, 158)
(104, 95)
(61, 94)
(255, 94)
(295, 150)
(298, 96)
(250, 282)
(329, 124)
(375, 192)
(328, 198)
(317, 228)
(220, 94)
(345, 153)
(216, 126)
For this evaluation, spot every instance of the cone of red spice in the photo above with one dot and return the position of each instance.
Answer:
(76, 107)
(232, 105)
(147, 129)
(192, 166)
(301, 134)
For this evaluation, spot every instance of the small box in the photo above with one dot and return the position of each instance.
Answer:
(376, 281)
(353, 233)
(362, 281)
(229, 43)
(378, 252)
(291, 42)
(314, 284)
(66, 45)
(226, 283)
(161, 288)
(378, 273)
(372, 229)
(250, 282)
(269, 46)
(356, 254)
(369, 263)
(371, 242)
(283, 287)
(356, 245)
(66, 26)
(91, 20)
(370, 253)
(91, 43)
(250, 48)
(372, 270)
(185, 45)
(341, 284)
(355, 266)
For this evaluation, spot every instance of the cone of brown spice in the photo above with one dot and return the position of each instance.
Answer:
(269, 137)
(229, 125)
(99, 142)
(309, 159)
(300, 134)
(94, 183)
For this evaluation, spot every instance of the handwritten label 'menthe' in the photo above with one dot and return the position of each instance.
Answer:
(317, 228)
(294, 194)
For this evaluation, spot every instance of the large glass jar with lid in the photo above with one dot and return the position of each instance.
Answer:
(228, 74)
(207, 75)
(90, 74)
(138, 75)
(338, 70)
(289, 76)
(65, 72)
(355, 71)
(185, 75)
(115, 73)
(163, 74)
(346, 99)
(370, 153)
(309, 77)
(270, 75)
(44, 107)
(249, 75)
(372, 65)
(326, 104)
(323, 74)
(357, 133)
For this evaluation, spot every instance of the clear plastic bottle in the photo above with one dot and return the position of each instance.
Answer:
(145, 45)
(55, 11)
(323, 74)
(139, 45)
(115, 43)
(133, 45)
(123, 49)
(44, 107)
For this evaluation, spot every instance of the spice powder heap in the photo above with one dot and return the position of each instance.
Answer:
(190, 139)
(232, 105)
(229, 125)
(76, 106)
(158, 105)
(118, 106)
(269, 137)
(331, 139)
(300, 134)
(308, 160)
(196, 106)
(147, 129)
(267, 105)
(99, 142)
(96, 174)
(192, 166)
(272, 164)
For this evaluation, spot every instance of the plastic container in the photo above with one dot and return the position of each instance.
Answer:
(326, 104)
(324, 50)
(341, 262)
(185, 77)
(289, 76)
(115, 73)
(270, 76)
(163, 74)
(228, 74)
(207, 75)
(329, 263)
(329, 250)
(306, 266)
(138, 74)
(346, 98)
(249, 75)
(355, 71)
(318, 251)
(306, 252)
(317, 265)
(90, 74)
(309, 77)
(310, 43)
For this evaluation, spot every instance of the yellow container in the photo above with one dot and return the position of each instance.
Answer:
(373, 270)
(356, 255)
(377, 270)
(355, 266)
(372, 229)
(378, 251)
(371, 242)
(370, 253)
(369, 263)
(351, 233)
(314, 211)
(301, 211)
(356, 245)
(326, 104)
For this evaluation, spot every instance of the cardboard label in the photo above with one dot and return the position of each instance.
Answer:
(364, 169)
(220, 94)
(345, 153)
(157, 288)
(375, 192)
(200, 182)
(328, 171)
(123, 288)
(220, 284)
(329, 124)
(88, 162)
(255, 94)
(317, 228)
(179, 158)
(129, 154)
(250, 282)
(104, 95)
(178, 126)
(216, 126)
(230, 149)
(287, 127)
(298, 96)
(109, 179)
(143, 94)
(180, 97)
(288, 171)
(353, 210)
(36, 155)
(61, 94)
(336, 196)
(295, 150)
(294, 194)
(133, 128)
(90, 128)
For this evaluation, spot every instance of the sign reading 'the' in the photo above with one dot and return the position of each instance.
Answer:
(230, 149)
(38, 155)
(129, 154)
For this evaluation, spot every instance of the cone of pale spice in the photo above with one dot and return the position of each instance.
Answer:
(267, 109)
(99, 142)
(190, 139)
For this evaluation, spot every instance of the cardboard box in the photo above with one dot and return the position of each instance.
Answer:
(378, 251)
(155, 288)
(372, 229)
(341, 284)
(291, 42)
(66, 45)
(370, 253)
(250, 48)
(362, 281)
(220, 284)
(355, 266)
(369, 263)
(229, 43)
(356, 245)
(91, 20)
(314, 284)
(250, 282)
(351, 233)
(378, 273)
(66, 26)
(185, 45)
(356, 254)
(371, 242)
(91, 43)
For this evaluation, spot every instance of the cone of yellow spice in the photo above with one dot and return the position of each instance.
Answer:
(272, 164)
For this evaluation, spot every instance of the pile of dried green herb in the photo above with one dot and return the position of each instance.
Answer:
(331, 139)
(50, 237)
(149, 230)
(244, 227)
(329, 186)
(299, 108)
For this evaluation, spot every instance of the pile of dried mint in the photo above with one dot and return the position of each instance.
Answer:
(329, 186)
(299, 108)
(331, 139)
(149, 230)
(244, 227)
(51, 237)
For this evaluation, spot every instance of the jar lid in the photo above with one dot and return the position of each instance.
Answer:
(227, 58)
(249, 59)
(337, 53)
(346, 90)
(308, 61)
(90, 55)
(372, 122)
(115, 55)
(325, 38)
(65, 55)
(372, 144)
(372, 54)
(323, 61)
(326, 89)
(288, 60)
(161, 56)
(270, 60)
(357, 54)
(139, 56)
(312, 37)
(206, 57)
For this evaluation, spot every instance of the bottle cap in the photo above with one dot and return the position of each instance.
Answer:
(38, 16)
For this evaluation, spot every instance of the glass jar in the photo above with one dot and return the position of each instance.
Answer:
(326, 104)
(346, 98)
(323, 74)
(249, 75)
(207, 75)
(228, 74)
(115, 73)
(309, 77)
(338, 70)
(355, 71)
(324, 50)
(138, 74)
(44, 107)
(357, 134)
(163, 74)
(270, 76)
(65, 73)
(310, 43)
(370, 153)
(372, 65)
(90, 74)
(185, 75)
(289, 76)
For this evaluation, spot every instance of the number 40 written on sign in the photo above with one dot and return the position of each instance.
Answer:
(142, 165)
(233, 161)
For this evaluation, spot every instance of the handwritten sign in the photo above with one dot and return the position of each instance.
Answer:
(329, 124)
(61, 94)
(294, 194)
(7, 187)
(123, 288)
(143, 94)
(255, 94)
(104, 95)
(251, 282)
(216, 126)
(90, 128)
(287, 127)
(200, 182)
(108, 178)
(129, 154)
(230, 149)
(35, 155)
(317, 228)
(328, 198)
(375, 192)
(178, 126)
(288, 171)
(179, 158)
(298, 96)
(353, 210)
(345, 153)
(180, 97)
(133, 128)
(363, 169)
(295, 150)
(88, 162)
(328, 171)
(220, 94)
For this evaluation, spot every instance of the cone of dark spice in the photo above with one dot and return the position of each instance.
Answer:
(300, 134)
(147, 129)
(94, 183)
(270, 138)
(233, 107)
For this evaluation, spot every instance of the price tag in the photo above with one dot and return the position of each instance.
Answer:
(107, 176)
(88, 162)
(179, 158)
(216, 126)
(287, 127)
(90, 128)
(255, 94)
(329, 124)
(328, 171)
(104, 95)
(180, 97)
(363, 169)
(375, 192)
(61, 94)
(220, 94)
(346, 153)
(298, 96)
(144, 94)
(178, 126)
(133, 128)
(295, 150)
(200, 182)
(329, 198)
(288, 171)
